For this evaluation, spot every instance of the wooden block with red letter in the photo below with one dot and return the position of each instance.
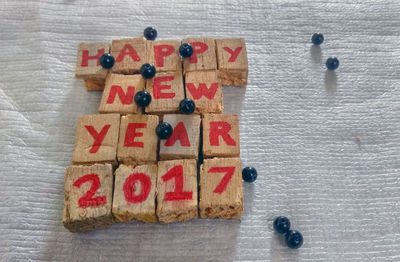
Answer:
(221, 188)
(135, 193)
(96, 139)
(232, 61)
(166, 91)
(137, 139)
(221, 135)
(177, 190)
(119, 92)
(204, 56)
(164, 55)
(88, 197)
(87, 65)
(129, 54)
(185, 139)
(205, 88)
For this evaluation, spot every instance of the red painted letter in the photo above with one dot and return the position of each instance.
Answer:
(229, 171)
(198, 48)
(180, 134)
(127, 50)
(161, 51)
(178, 194)
(86, 57)
(158, 87)
(234, 54)
(131, 134)
(87, 199)
(197, 93)
(126, 99)
(129, 188)
(220, 128)
(98, 137)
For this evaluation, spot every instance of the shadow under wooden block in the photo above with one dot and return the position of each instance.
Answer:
(203, 57)
(88, 197)
(94, 85)
(135, 193)
(137, 139)
(129, 54)
(164, 55)
(221, 188)
(185, 139)
(96, 139)
(177, 190)
(221, 135)
(205, 89)
(119, 92)
(87, 64)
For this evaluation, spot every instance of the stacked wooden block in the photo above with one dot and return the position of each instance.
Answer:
(195, 171)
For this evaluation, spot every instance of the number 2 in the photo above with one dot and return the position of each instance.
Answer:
(87, 199)
(229, 171)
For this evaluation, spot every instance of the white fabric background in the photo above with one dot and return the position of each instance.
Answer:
(297, 124)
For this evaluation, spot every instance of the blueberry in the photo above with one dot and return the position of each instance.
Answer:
(164, 130)
(106, 60)
(187, 106)
(317, 39)
(332, 63)
(294, 239)
(249, 174)
(186, 50)
(147, 71)
(150, 33)
(142, 98)
(282, 224)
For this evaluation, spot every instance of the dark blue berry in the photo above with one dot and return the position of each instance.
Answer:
(249, 174)
(332, 63)
(164, 130)
(106, 60)
(187, 106)
(147, 71)
(317, 39)
(186, 50)
(142, 98)
(294, 239)
(150, 33)
(282, 224)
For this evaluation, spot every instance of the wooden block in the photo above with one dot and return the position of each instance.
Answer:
(221, 188)
(166, 91)
(164, 55)
(135, 193)
(204, 56)
(96, 139)
(137, 139)
(177, 190)
(232, 61)
(221, 135)
(129, 54)
(87, 63)
(88, 197)
(119, 93)
(205, 88)
(185, 139)
(94, 85)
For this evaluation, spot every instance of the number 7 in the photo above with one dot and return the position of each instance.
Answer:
(229, 171)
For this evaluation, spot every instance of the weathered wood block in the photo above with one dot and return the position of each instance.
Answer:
(96, 139)
(94, 85)
(205, 89)
(177, 190)
(185, 139)
(138, 139)
(119, 92)
(164, 55)
(221, 188)
(87, 63)
(166, 91)
(232, 61)
(204, 55)
(221, 135)
(88, 197)
(129, 54)
(135, 193)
